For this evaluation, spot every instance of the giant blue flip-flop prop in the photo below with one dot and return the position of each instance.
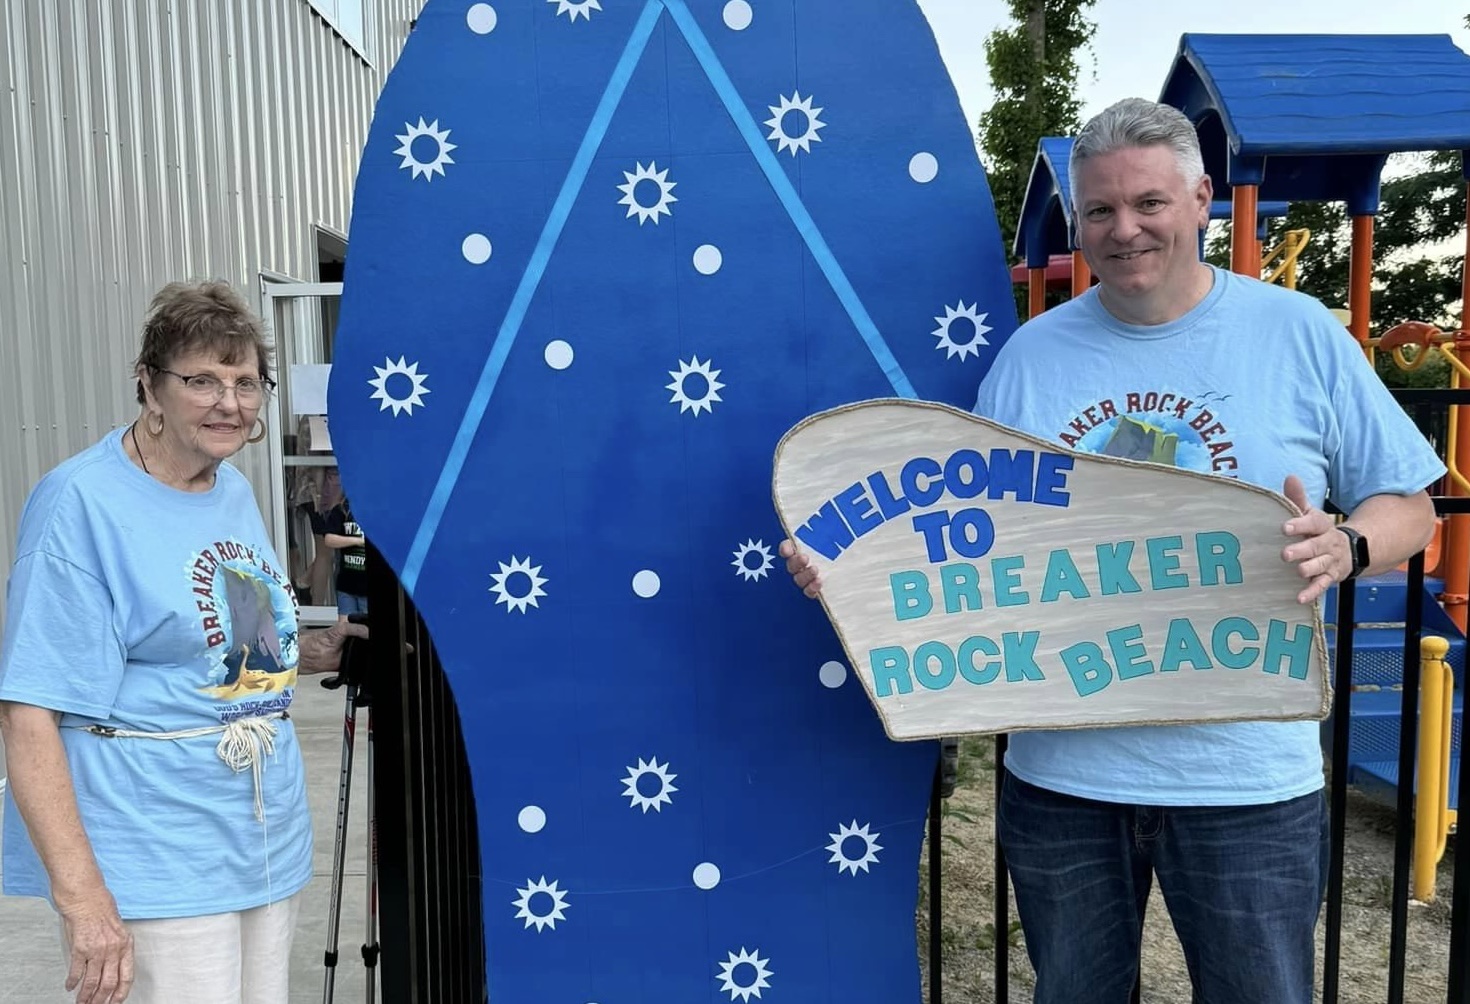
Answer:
(604, 254)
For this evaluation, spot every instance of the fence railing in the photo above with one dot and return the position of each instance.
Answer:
(427, 839)
(428, 847)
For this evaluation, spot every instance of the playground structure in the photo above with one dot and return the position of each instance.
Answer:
(1315, 118)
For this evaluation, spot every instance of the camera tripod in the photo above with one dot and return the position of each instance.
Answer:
(352, 676)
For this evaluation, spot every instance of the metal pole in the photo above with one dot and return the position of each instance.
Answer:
(1337, 822)
(1360, 281)
(1081, 274)
(1456, 560)
(1035, 291)
(1245, 252)
(1408, 744)
(370, 947)
(1430, 784)
(1002, 888)
(339, 850)
(1459, 976)
(936, 914)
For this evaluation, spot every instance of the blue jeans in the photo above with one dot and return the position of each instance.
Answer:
(1243, 885)
(350, 604)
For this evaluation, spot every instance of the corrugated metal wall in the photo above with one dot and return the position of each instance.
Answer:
(147, 140)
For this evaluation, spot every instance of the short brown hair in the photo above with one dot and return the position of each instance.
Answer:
(201, 316)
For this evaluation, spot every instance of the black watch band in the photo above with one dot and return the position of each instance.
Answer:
(1358, 547)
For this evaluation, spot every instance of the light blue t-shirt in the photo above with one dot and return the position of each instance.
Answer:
(1256, 382)
(140, 607)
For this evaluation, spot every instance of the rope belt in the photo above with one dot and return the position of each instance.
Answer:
(242, 744)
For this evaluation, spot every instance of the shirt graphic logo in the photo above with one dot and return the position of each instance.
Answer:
(1158, 427)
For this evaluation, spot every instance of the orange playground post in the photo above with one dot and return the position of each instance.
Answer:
(1036, 290)
(1081, 274)
(1245, 250)
(1360, 280)
(1457, 537)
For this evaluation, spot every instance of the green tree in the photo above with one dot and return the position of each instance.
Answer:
(1422, 207)
(1034, 69)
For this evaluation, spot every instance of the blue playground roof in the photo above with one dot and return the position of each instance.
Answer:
(1046, 226)
(1314, 117)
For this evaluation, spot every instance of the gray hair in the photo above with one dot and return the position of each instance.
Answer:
(1133, 123)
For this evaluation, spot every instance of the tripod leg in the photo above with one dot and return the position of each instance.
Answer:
(370, 944)
(339, 851)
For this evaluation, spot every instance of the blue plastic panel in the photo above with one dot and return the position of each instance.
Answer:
(1329, 94)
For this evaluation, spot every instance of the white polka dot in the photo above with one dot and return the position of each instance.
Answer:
(646, 583)
(924, 168)
(832, 674)
(532, 818)
(707, 259)
(481, 19)
(738, 15)
(707, 875)
(559, 354)
(476, 249)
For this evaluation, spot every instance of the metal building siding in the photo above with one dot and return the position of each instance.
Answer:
(147, 140)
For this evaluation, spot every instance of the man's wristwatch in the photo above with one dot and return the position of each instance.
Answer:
(1358, 547)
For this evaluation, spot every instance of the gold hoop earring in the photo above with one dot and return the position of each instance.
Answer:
(259, 436)
(148, 425)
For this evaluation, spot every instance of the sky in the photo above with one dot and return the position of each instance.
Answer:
(1137, 39)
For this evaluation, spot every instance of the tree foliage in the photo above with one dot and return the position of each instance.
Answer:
(1033, 68)
(1422, 208)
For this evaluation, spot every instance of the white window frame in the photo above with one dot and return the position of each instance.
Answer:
(327, 11)
(288, 346)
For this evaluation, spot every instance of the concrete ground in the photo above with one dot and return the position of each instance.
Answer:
(31, 970)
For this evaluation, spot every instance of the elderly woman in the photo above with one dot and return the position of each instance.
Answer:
(150, 656)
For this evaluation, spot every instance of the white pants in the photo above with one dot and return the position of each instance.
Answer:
(224, 958)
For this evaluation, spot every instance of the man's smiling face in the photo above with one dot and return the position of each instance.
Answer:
(1138, 223)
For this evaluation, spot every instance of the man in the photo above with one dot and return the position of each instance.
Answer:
(1257, 383)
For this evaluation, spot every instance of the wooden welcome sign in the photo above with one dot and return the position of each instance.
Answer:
(983, 580)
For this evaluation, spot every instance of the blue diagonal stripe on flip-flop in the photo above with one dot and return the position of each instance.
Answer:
(505, 339)
(790, 199)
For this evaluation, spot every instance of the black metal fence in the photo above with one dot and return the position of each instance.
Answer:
(427, 841)
(428, 847)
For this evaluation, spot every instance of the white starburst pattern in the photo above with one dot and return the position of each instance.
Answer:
(406, 402)
(786, 141)
(744, 991)
(666, 196)
(576, 8)
(839, 857)
(761, 553)
(425, 169)
(712, 386)
(971, 347)
(541, 920)
(517, 602)
(660, 798)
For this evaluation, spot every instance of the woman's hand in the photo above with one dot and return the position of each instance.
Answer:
(101, 949)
